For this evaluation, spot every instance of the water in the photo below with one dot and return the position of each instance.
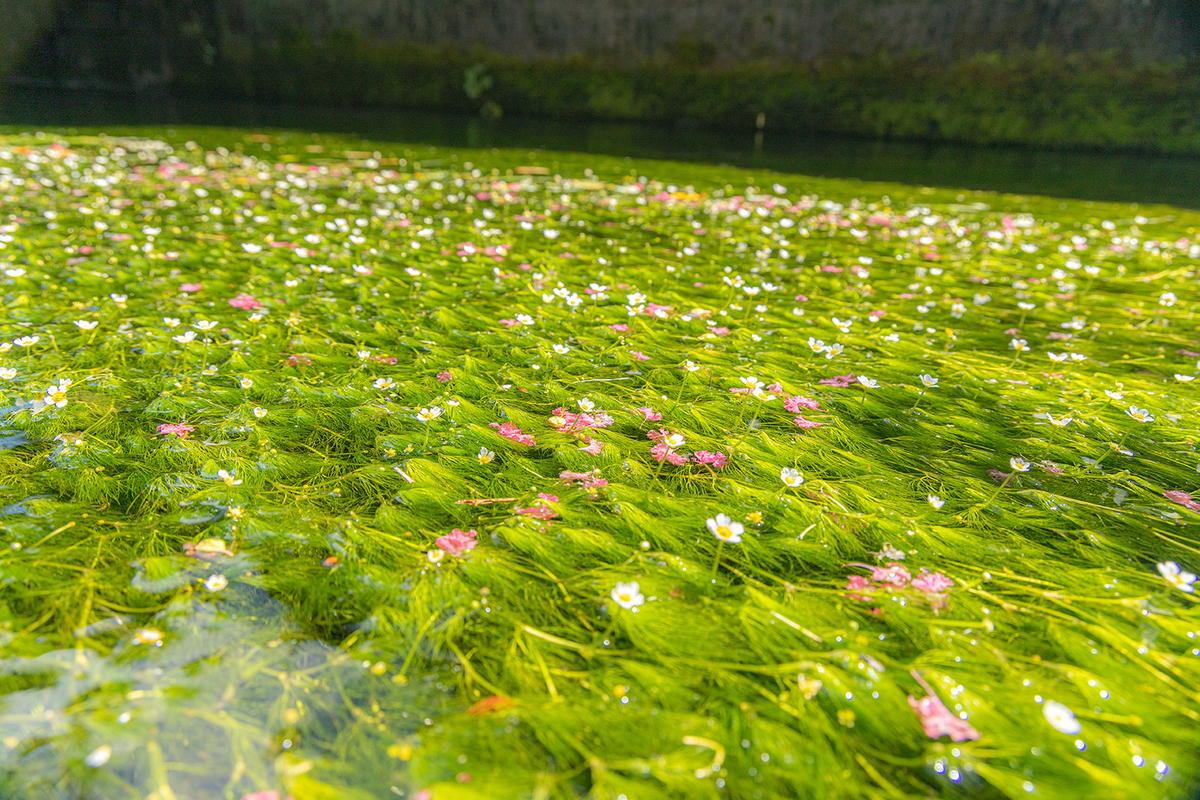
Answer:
(1124, 177)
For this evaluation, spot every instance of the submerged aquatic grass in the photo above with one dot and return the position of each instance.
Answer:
(336, 473)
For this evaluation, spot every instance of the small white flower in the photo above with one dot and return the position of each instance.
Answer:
(586, 405)
(791, 477)
(1184, 378)
(561, 349)
(627, 595)
(1019, 464)
(1176, 577)
(171, 322)
(383, 383)
(260, 412)
(226, 476)
(1140, 414)
(724, 528)
(1114, 395)
(870, 383)
(1061, 718)
(1061, 422)
(7, 373)
(26, 341)
(85, 325)
(185, 337)
(675, 440)
(147, 636)
(118, 298)
(485, 456)
(429, 414)
(56, 394)
(928, 380)
(216, 583)
(1020, 345)
(936, 501)
(204, 324)
(435, 555)
(1057, 358)
(245, 383)
(1167, 299)
(691, 367)
(98, 757)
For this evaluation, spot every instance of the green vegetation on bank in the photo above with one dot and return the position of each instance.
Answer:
(346, 470)
(1037, 99)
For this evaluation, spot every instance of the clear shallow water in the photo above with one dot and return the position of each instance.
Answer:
(1124, 177)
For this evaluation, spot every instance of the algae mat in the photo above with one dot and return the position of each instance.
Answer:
(334, 470)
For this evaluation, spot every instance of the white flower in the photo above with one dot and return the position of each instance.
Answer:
(791, 477)
(83, 324)
(1114, 395)
(1019, 464)
(383, 383)
(245, 383)
(216, 583)
(1177, 577)
(1061, 422)
(1140, 414)
(586, 405)
(816, 344)
(185, 337)
(928, 380)
(56, 394)
(171, 322)
(435, 555)
(204, 325)
(870, 383)
(627, 595)
(7, 373)
(26, 341)
(1184, 378)
(561, 349)
(724, 528)
(1020, 345)
(429, 414)
(260, 412)
(935, 501)
(98, 757)
(118, 298)
(1167, 299)
(1061, 718)
(691, 367)
(674, 440)
(485, 456)
(1057, 357)
(228, 478)
(147, 636)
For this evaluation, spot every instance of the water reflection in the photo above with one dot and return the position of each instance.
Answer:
(217, 695)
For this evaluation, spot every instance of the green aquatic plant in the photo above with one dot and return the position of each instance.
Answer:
(344, 470)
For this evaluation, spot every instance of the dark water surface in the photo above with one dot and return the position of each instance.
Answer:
(1126, 177)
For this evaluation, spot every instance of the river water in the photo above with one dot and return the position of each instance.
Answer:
(1125, 177)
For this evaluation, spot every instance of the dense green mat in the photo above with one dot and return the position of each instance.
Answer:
(914, 521)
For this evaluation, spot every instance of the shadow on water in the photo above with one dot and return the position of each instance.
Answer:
(1123, 177)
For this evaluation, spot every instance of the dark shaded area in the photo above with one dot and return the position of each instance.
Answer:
(1101, 74)
(1088, 175)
